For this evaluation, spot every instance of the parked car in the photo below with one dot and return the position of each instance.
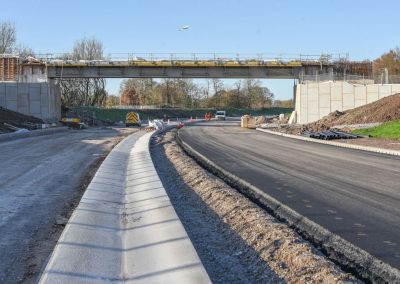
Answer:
(220, 115)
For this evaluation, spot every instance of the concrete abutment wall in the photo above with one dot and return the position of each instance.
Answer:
(41, 100)
(316, 100)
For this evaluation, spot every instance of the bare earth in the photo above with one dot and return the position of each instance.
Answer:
(42, 180)
(383, 110)
(237, 241)
(385, 143)
(392, 144)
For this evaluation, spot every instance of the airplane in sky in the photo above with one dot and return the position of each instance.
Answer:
(184, 28)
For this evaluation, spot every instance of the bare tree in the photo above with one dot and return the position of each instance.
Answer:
(24, 50)
(8, 37)
(238, 93)
(87, 91)
(218, 87)
(88, 49)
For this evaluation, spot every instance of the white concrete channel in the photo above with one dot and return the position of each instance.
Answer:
(125, 229)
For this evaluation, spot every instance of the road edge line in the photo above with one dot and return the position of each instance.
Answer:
(342, 252)
(337, 144)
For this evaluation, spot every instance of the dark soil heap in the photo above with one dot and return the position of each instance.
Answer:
(16, 119)
(383, 110)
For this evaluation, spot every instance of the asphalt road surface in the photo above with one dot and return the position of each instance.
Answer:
(39, 177)
(354, 194)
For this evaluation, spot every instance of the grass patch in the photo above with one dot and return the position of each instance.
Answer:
(389, 129)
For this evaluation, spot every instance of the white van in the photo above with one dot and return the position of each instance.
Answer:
(220, 115)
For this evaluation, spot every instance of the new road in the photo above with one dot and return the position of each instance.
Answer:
(354, 194)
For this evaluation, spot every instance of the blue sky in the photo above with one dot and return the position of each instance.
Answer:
(364, 29)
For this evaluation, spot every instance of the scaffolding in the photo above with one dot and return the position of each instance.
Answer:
(9, 67)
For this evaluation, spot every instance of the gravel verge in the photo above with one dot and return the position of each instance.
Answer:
(390, 144)
(237, 241)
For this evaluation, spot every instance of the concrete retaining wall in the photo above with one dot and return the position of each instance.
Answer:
(41, 100)
(316, 100)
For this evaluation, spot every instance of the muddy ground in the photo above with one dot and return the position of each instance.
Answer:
(42, 180)
(237, 241)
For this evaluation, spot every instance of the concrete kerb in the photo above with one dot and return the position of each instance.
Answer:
(127, 230)
(34, 133)
(337, 144)
(350, 257)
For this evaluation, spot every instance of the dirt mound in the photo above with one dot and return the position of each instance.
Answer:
(383, 110)
(16, 119)
(261, 119)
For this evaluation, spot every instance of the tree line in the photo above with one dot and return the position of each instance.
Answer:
(185, 93)
(389, 60)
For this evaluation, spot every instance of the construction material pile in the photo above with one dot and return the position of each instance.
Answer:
(11, 121)
(330, 135)
(248, 121)
(157, 124)
(383, 110)
(261, 120)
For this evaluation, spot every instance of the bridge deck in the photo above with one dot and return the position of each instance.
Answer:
(179, 63)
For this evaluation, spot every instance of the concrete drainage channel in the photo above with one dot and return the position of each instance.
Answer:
(350, 257)
(125, 228)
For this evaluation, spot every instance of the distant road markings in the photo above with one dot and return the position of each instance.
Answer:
(289, 196)
(331, 211)
(338, 218)
(389, 243)
(359, 225)
(361, 234)
(309, 206)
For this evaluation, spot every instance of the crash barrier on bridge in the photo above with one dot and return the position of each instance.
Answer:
(33, 133)
(125, 228)
(337, 144)
(341, 251)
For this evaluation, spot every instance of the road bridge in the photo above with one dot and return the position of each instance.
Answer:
(194, 66)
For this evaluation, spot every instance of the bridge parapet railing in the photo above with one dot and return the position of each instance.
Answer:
(127, 58)
(351, 78)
